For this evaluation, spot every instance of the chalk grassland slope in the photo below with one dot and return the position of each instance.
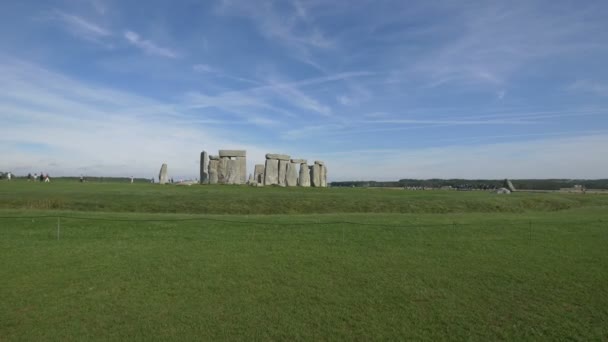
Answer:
(390, 277)
(311, 264)
(151, 198)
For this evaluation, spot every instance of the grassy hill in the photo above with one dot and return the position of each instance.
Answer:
(150, 262)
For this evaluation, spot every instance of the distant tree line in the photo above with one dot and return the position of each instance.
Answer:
(528, 184)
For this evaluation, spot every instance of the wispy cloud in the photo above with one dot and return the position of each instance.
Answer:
(76, 125)
(291, 26)
(81, 27)
(148, 46)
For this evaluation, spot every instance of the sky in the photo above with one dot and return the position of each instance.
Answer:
(379, 90)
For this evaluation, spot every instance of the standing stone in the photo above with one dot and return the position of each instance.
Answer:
(283, 172)
(258, 174)
(323, 176)
(304, 177)
(242, 167)
(250, 180)
(236, 172)
(315, 175)
(204, 168)
(222, 170)
(271, 172)
(163, 177)
(232, 172)
(291, 177)
(213, 166)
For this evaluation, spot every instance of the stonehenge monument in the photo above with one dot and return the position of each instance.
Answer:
(229, 167)
(163, 176)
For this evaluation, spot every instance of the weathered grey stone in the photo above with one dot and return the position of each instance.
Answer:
(233, 153)
(304, 177)
(503, 191)
(258, 174)
(323, 176)
(214, 157)
(204, 168)
(222, 170)
(213, 166)
(291, 177)
(283, 172)
(277, 156)
(315, 175)
(507, 184)
(250, 180)
(319, 162)
(232, 172)
(271, 172)
(163, 176)
(242, 171)
(299, 161)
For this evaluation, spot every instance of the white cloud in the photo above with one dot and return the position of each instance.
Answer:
(148, 46)
(81, 27)
(66, 127)
(204, 68)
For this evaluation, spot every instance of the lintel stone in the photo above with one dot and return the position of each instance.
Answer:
(278, 156)
(299, 161)
(233, 153)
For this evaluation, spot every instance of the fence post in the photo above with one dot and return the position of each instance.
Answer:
(530, 229)
(58, 226)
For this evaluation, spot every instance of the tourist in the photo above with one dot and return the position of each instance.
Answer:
(47, 179)
(8, 176)
(131, 179)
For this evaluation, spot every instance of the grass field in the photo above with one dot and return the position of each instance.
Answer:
(150, 262)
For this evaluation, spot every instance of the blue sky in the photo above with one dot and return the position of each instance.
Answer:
(377, 89)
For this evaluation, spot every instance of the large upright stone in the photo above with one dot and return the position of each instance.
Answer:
(232, 172)
(323, 176)
(242, 167)
(204, 168)
(304, 177)
(291, 177)
(258, 174)
(315, 175)
(222, 170)
(236, 166)
(271, 172)
(163, 176)
(213, 166)
(283, 171)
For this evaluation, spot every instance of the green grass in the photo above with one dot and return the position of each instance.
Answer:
(342, 264)
(150, 198)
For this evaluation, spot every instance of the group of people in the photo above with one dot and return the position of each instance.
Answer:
(42, 177)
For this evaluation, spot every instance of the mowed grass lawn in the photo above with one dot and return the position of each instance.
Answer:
(150, 262)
